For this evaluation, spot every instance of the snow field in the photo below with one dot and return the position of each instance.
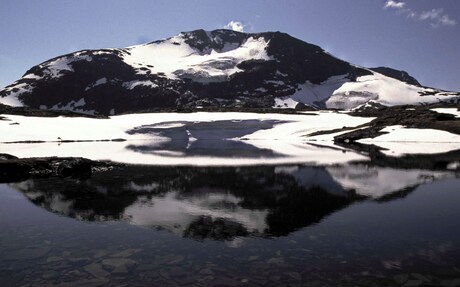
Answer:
(286, 139)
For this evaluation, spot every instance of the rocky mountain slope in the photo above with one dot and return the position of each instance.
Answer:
(219, 68)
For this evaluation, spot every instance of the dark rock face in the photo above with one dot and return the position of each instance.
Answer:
(396, 74)
(95, 81)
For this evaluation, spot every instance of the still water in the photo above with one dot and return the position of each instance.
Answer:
(276, 225)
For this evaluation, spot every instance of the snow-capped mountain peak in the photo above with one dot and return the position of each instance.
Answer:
(221, 68)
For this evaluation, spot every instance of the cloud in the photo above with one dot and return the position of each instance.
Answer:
(435, 16)
(395, 4)
(235, 26)
(432, 14)
(438, 18)
(446, 21)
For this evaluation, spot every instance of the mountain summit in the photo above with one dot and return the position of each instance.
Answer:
(220, 68)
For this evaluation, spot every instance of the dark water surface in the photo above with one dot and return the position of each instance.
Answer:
(233, 226)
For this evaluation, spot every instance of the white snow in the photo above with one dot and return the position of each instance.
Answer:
(301, 125)
(286, 139)
(101, 81)
(399, 133)
(54, 68)
(76, 106)
(404, 148)
(452, 111)
(400, 140)
(176, 59)
(261, 90)
(13, 91)
(275, 83)
(453, 165)
(31, 76)
(278, 73)
(105, 51)
(382, 89)
(81, 56)
(309, 93)
(131, 85)
(11, 100)
(285, 103)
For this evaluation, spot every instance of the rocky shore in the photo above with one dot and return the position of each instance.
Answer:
(420, 117)
(13, 169)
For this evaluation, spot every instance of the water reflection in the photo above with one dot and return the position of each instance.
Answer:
(222, 203)
(214, 139)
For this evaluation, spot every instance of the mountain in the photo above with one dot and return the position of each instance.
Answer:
(219, 68)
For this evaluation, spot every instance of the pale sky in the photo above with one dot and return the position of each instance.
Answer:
(421, 37)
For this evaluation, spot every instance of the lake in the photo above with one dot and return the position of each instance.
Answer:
(378, 222)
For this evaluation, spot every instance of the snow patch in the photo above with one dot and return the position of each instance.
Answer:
(400, 141)
(452, 111)
(261, 90)
(131, 85)
(312, 94)
(453, 165)
(55, 68)
(285, 103)
(176, 59)
(75, 106)
(32, 76)
(13, 92)
(101, 81)
(384, 90)
(278, 73)
(275, 83)
(399, 133)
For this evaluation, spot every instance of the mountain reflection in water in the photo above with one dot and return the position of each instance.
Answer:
(222, 203)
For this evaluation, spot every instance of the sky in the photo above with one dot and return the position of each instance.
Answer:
(421, 37)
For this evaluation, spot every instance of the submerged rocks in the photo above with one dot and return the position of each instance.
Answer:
(74, 167)
(13, 169)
